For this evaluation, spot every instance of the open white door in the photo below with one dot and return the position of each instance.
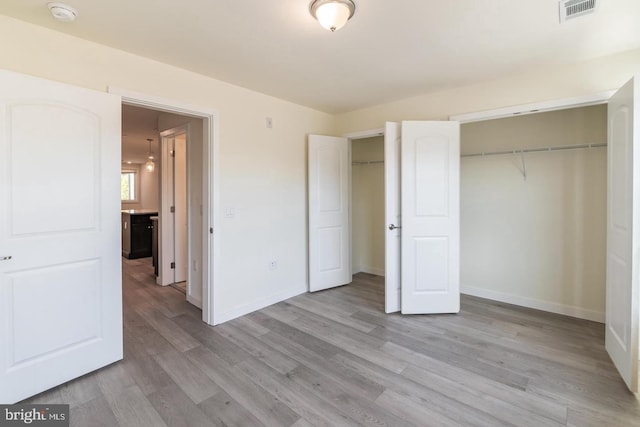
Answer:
(329, 257)
(430, 208)
(180, 192)
(60, 271)
(173, 209)
(392, 217)
(623, 232)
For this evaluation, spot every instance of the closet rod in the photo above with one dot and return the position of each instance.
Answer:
(372, 162)
(533, 150)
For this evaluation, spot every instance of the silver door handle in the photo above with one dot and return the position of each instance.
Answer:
(393, 227)
(5, 258)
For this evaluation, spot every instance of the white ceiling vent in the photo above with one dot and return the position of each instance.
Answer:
(570, 9)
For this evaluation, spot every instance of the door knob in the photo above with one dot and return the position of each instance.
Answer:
(393, 227)
(5, 258)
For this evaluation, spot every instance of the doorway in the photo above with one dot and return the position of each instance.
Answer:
(367, 206)
(621, 312)
(203, 182)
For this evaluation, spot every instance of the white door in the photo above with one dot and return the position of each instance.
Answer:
(430, 209)
(180, 203)
(166, 249)
(392, 217)
(329, 257)
(623, 232)
(173, 212)
(60, 271)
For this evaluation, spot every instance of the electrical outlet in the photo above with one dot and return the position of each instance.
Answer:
(273, 264)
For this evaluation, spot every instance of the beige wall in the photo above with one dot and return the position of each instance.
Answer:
(522, 87)
(263, 171)
(539, 242)
(367, 195)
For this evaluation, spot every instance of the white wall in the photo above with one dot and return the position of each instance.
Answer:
(367, 195)
(149, 188)
(539, 242)
(263, 171)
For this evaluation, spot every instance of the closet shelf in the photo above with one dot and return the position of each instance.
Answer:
(534, 150)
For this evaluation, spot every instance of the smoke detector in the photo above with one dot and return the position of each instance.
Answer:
(62, 12)
(570, 9)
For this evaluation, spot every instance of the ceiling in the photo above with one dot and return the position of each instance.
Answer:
(389, 50)
(139, 124)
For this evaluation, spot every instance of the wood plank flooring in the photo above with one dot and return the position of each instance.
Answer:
(335, 359)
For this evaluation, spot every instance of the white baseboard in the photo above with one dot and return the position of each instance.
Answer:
(256, 305)
(370, 270)
(196, 302)
(552, 307)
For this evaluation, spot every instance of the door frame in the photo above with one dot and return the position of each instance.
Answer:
(371, 133)
(533, 108)
(210, 186)
(599, 98)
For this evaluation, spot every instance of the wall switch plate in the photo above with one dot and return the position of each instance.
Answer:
(269, 123)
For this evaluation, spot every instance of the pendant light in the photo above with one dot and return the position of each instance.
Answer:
(150, 166)
(332, 14)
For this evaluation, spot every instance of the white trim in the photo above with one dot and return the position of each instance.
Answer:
(259, 304)
(552, 307)
(211, 181)
(365, 134)
(536, 107)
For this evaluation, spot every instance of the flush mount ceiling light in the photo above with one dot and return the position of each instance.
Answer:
(332, 14)
(62, 12)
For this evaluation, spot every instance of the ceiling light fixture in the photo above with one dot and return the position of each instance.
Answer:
(150, 166)
(332, 14)
(62, 12)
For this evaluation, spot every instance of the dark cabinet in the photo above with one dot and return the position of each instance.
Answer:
(137, 234)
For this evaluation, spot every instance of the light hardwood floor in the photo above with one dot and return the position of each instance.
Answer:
(334, 358)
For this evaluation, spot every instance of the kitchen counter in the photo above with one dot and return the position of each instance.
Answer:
(137, 233)
(140, 211)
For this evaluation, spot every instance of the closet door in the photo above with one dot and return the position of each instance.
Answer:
(392, 217)
(430, 185)
(623, 233)
(329, 231)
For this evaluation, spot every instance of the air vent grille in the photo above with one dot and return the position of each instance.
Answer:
(570, 9)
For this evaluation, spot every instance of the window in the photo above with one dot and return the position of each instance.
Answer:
(129, 186)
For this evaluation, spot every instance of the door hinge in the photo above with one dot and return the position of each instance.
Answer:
(172, 153)
(211, 230)
(172, 209)
(173, 265)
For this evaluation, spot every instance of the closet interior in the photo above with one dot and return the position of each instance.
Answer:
(367, 202)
